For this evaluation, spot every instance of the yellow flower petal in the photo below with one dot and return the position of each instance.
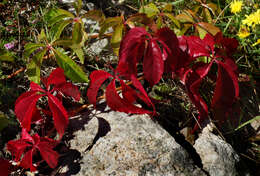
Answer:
(252, 19)
(243, 32)
(256, 43)
(236, 6)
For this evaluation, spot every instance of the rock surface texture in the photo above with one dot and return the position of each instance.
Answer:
(117, 144)
(218, 157)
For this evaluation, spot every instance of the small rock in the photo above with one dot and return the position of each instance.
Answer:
(218, 157)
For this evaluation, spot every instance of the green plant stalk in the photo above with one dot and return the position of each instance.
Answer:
(228, 24)
(246, 123)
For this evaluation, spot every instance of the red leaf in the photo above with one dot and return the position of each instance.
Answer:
(59, 113)
(26, 161)
(27, 146)
(56, 77)
(50, 156)
(69, 89)
(143, 95)
(25, 107)
(194, 45)
(17, 148)
(230, 62)
(128, 93)
(226, 91)
(116, 103)
(36, 116)
(131, 51)
(209, 42)
(36, 87)
(5, 167)
(192, 83)
(176, 58)
(153, 63)
(26, 136)
(229, 44)
(97, 78)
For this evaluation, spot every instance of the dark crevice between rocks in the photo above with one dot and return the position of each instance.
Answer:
(173, 129)
(180, 139)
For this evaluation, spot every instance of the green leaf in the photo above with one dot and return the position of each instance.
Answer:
(173, 19)
(31, 47)
(55, 14)
(71, 69)
(150, 10)
(56, 19)
(96, 15)
(138, 18)
(64, 12)
(59, 27)
(207, 15)
(63, 42)
(109, 22)
(42, 36)
(167, 8)
(116, 38)
(3, 121)
(246, 123)
(159, 22)
(70, 44)
(204, 28)
(34, 67)
(77, 5)
(214, 9)
(6, 57)
(77, 33)
(184, 18)
(79, 52)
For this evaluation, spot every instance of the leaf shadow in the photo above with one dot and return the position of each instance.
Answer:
(69, 161)
(103, 129)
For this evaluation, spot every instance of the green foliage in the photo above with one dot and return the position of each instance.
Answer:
(71, 69)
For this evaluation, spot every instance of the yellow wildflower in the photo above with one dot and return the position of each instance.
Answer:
(243, 32)
(256, 43)
(252, 19)
(236, 6)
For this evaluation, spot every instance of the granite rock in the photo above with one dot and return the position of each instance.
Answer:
(114, 143)
(218, 157)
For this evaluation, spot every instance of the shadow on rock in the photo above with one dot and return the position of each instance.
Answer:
(70, 163)
(103, 129)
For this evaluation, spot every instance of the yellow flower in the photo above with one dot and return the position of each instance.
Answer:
(236, 6)
(243, 32)
(252, 19)
(256, 43)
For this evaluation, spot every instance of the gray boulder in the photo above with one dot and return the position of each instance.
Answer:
(218, 157)
(113, 143)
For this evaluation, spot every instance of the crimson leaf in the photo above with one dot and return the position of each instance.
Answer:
(56, 77)
(226, 91)
(97, 78)
(25, 107)
(131, 51)
(153, 63)
(176, 58)
(24, 148)
(115, 102)
(59, 113)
